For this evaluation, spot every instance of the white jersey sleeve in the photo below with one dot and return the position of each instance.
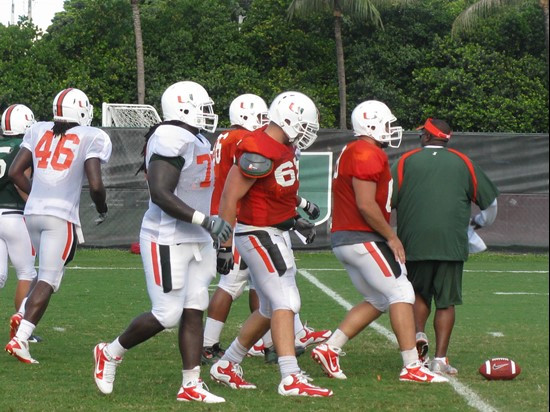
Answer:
(100, 147)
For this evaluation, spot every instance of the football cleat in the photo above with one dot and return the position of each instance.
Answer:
(197, 391)
(308, 336)
(105, 369)
(438, 366)
(35, 339)
(211, 354)
(416, 372)
(20, 349)
(230, 374)
(328, 357)
(297, 384)
(257, 349)
(15, 321)
(270, 354)
(422, 347)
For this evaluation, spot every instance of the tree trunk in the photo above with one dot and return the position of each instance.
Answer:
(341, 68)
(139, 52)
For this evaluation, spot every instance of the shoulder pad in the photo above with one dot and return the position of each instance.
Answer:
(255, 165)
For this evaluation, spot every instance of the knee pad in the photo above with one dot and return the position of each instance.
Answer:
(234, 282)
(3, 278)
(168, 317)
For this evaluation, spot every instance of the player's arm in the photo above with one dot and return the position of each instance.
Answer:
(22, 161)
(236, 186)
(310, 208)
(92, 167)
(486, 217)
(24, 195)
(163, 174)
(365, 197)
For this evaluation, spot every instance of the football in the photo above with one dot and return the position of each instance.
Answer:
(499, 369)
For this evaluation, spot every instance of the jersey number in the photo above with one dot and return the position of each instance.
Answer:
(208, 159)
(285, 174)
(3, 165)
(218, 148)
(46, 157)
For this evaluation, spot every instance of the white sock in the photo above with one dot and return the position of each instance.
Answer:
(338, 339)
(190, 375)
(409, 356)
(443, 359)
(25, 330)
(288, 365)
(236, 352)
(22, 307)
(212, 332)
(298, 325)
(268, 340)
(115, 349)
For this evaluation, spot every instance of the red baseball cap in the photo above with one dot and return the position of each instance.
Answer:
(434, 130)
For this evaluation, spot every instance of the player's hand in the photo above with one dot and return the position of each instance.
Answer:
(224, 261)
(306, 229)
(312, 210)
(475, 225)
(397, 248)
(102, 214)
(217, 227)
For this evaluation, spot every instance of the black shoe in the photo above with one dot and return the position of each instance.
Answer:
(270, 355)
(211, 354)
(34, 339)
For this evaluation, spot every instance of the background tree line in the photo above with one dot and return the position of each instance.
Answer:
(492, 78)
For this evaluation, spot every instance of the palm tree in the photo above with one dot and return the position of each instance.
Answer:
(139, 52)
(357, 9)
(483, 8)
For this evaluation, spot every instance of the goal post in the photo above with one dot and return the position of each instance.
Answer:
(128, 115)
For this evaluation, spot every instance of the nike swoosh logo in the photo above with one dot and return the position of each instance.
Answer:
(98, 368)
(191, 395)
(422, 378)
(497, 367)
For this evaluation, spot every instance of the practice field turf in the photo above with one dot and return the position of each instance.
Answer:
(505, 314)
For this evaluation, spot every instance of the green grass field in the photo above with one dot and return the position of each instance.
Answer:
(505, 314)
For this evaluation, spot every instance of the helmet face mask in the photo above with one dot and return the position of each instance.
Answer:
(189, 103)
(297, 116)
(373, 119)
(248, 111)
(16, 119)
(72, 106)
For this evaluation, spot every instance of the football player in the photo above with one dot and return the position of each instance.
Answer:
(61, 153)
(176, 243)
(14, 237)
(363, 240)
(247, 113)
(262, 185)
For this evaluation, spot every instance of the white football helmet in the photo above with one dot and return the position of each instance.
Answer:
(190, 103)
(16, 119)
(248, 111)
(297, 115)
(373, 118)
(72, 106)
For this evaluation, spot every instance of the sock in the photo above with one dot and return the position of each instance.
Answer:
(235, 353)
(338, 339)
(268, 340)
(288, 365)
(22, 307)
(190, 375)
(212, 332)
(443, 359)
(298, 325)
(25, 330)
(409, 356)
(115, 349)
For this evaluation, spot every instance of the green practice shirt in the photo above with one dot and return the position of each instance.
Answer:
(9, 197)
(433, 189)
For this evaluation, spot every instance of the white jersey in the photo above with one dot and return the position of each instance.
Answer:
(194, 187)
(58, 164)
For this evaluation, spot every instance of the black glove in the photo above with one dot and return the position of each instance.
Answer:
(312, 210)
(306, 229)
(102, 214)
(217, 227)
(224, 261)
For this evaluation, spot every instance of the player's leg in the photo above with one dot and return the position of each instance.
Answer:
(420, 274)
(448, 293)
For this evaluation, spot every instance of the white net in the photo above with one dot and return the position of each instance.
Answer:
(128, 115)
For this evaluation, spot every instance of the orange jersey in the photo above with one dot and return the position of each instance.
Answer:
(272, 198)
(364, 161)
(224, 158)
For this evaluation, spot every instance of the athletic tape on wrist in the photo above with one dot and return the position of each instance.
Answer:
(198, 218)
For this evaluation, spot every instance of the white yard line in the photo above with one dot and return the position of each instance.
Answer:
(465, 270)
(470, 396)
(519, 293)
